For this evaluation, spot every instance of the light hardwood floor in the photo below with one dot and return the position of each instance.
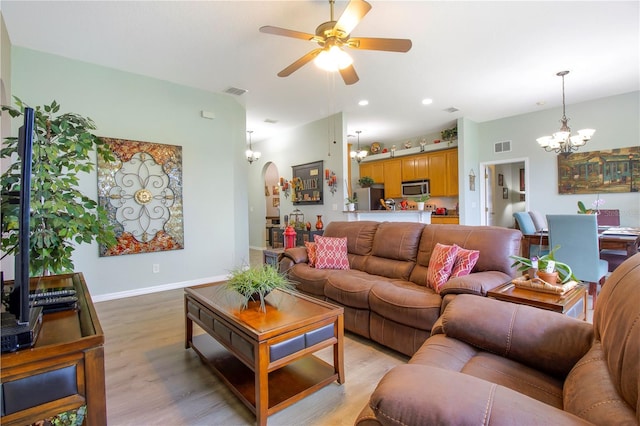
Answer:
(152, 379)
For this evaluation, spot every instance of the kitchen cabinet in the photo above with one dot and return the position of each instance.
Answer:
(440, 167)
(375, 170)
(454, 220)
(392, 178)
(443, 173)
(415, 167)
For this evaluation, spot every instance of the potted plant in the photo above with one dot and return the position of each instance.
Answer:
(421, 200)
(366, 181)
(254, 283)
(449, 134)
(61, 215)
(351, 203)
(545, 265)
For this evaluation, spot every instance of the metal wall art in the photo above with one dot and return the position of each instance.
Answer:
(594, 172)
(142, 193)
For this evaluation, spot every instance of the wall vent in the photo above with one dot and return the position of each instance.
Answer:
(235, 91)
(504, 146)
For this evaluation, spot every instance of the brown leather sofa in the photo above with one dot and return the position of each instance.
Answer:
(384, 294)
(492, 362)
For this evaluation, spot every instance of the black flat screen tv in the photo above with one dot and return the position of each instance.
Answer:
(19, 298)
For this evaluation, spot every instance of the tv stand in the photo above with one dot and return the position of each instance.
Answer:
(68, 356)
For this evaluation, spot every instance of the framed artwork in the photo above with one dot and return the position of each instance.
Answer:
(276, 201)
(307, 183)
(521, 179)
(500, 179)
(522, 197)
(597, 172)
(142, 193)
(505, 193)
(275, 190)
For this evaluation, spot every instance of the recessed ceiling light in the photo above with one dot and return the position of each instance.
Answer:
(363, 102)
(427, 101)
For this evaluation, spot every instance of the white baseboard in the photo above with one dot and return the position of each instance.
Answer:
(155, 289)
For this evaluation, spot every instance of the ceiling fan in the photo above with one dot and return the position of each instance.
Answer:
(333, 36)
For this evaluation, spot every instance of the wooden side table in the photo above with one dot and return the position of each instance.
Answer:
(272, 256)
(573, 303)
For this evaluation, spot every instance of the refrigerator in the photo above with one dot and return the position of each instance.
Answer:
(369, 198)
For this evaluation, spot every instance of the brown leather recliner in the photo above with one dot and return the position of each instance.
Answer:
(493, 362)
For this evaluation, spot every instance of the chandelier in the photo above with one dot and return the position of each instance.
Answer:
(562, 142)
(250, 153)
(358, 154)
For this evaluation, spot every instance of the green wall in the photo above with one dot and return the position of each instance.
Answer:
(615, 119)
(131, 106)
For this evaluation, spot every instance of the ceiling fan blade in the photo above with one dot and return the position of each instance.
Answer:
(355, 11)
(386, 44)
(268, 29)
(299, 63)
(349, 75)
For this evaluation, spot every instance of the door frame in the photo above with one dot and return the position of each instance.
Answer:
(483, 189)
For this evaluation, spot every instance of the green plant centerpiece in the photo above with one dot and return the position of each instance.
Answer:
(254, 283)
(366, 181)
(546, 263)
(61, 215)
(351, 200)
(422, 199)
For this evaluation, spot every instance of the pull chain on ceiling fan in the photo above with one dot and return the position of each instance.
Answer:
(333, 36)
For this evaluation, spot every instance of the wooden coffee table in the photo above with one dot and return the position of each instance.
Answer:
(266, 358)
(573, 303)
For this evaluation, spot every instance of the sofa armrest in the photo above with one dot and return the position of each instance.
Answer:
(292, 256)
(424, 395)
(296, 254)
(477, 283)
(544, 340)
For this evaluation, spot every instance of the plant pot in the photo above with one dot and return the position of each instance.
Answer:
(549, 277)
(351, 207)
(420, 205)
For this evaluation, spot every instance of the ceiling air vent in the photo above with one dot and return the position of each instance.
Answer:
(451, 109)
(235, 91)
(270, 121)
(504, 146)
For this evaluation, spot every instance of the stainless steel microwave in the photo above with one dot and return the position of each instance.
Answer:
(415, 188)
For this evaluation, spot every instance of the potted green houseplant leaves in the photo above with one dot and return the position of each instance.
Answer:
(421, 200)
(255, 283)
(351, 203)
(546, 263)
(365, 181)
(61, 215)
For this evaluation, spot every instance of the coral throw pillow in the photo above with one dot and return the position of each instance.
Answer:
(465, 261)
(311, 253)
(440, 265)
(331, 253)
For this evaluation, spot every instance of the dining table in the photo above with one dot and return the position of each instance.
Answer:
(626, 239)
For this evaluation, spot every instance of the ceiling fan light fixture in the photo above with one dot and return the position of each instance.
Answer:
(333, 59)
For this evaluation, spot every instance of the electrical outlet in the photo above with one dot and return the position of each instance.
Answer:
(156, 268)
(335, 207)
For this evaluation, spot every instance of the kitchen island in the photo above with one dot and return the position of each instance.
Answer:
(420, 216)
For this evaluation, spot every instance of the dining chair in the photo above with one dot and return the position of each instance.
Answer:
(528, 229)
(577, 236)
(608, 218)
(539, 221)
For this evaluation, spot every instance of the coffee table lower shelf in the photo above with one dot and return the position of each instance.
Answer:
(287, 384)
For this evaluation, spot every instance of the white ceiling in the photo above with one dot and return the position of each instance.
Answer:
(488, 59)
